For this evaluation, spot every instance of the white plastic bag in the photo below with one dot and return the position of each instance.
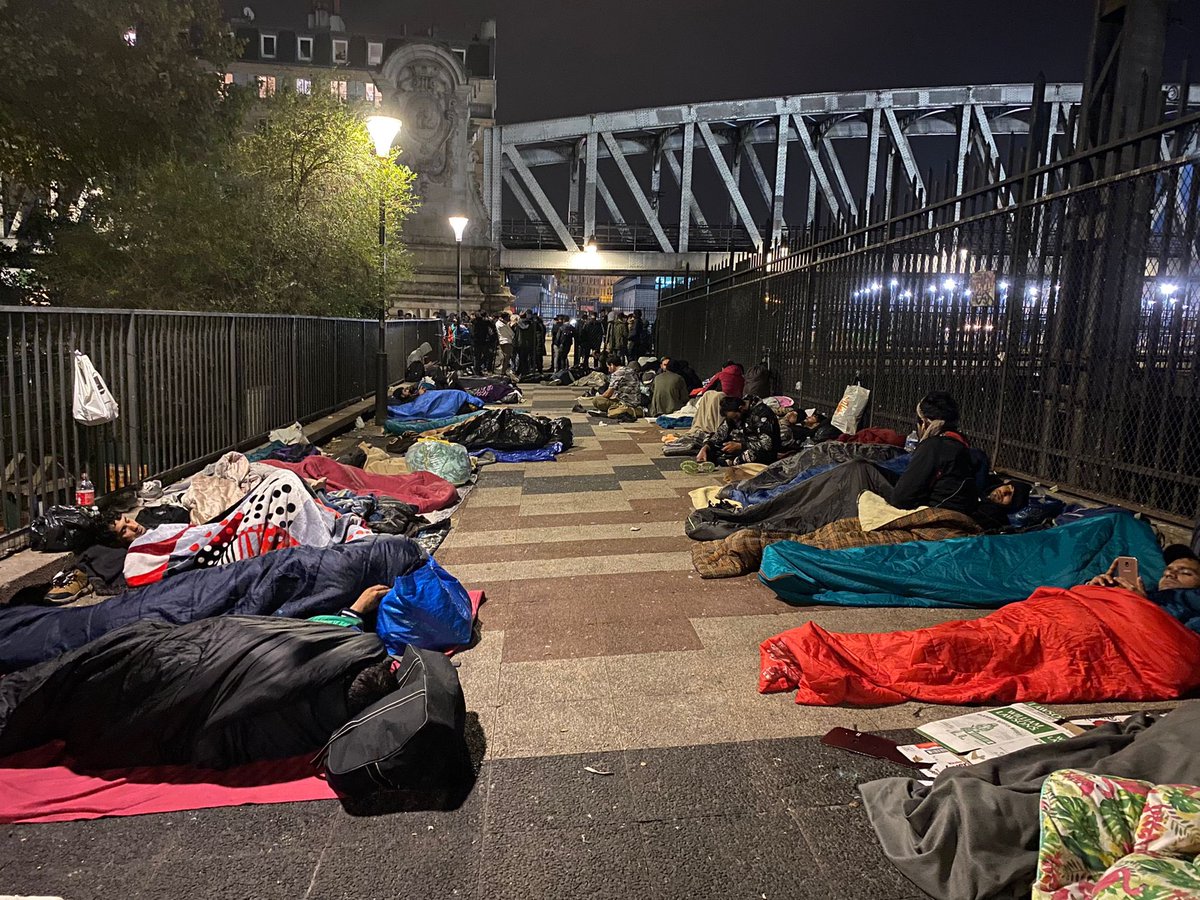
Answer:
(854, 401)
(94, 404)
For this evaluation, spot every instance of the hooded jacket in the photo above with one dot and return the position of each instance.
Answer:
(729, 381)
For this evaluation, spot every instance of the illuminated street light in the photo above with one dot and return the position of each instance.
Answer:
(589, 246)
(949, 284)
(894, 283)
(383, 130)
(1167, 289)
(459, 224)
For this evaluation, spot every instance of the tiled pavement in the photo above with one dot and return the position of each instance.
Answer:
(601, 650)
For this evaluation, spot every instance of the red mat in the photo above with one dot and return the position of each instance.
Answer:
(40, 785)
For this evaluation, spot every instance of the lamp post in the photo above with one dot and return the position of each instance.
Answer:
(383, 130)
(459, 224)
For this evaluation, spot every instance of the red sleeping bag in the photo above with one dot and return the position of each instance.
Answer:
(1076, 645)
(424, 490)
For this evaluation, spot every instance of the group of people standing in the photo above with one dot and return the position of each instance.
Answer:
(511, 344)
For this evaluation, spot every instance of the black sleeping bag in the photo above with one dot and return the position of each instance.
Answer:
(822, 499)
(215, 693)
(295, 582)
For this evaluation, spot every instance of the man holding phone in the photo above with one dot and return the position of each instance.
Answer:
(1182, 572)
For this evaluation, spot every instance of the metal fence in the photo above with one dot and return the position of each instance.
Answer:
(1059, 305)
(190, 386)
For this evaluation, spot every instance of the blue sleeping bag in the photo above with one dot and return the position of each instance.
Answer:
(984, 572)
(434, 405)
(297, 582)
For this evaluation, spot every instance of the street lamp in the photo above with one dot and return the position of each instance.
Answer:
(459, 224)
(383, 130)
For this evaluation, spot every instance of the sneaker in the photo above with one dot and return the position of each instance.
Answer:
(67, 586)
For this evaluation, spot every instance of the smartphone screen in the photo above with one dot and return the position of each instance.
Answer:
(1127, 571)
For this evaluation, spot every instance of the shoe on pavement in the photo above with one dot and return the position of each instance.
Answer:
(68, 585)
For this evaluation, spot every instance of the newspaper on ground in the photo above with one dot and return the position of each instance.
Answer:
(997, 732)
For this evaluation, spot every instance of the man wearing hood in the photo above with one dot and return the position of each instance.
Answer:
(941, 472)
(729, 381)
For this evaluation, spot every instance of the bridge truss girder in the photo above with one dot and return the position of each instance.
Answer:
(854, 155)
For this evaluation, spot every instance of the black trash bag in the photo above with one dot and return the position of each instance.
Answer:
(64, 528)
(560, 430)
(501, 429)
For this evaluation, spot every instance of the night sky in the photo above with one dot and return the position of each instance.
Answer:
(566, 57)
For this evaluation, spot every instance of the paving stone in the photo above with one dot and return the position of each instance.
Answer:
(638, 473)
(685, 782)
(570, 484)
(490, 477)
(600, 862)
(751, 857)
(847, 852)
(558, 792)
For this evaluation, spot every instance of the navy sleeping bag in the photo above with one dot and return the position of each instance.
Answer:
(296, 582)
(985, 572)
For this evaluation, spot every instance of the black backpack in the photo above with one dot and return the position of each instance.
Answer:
(412, 738)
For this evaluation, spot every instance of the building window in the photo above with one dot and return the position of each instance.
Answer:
(355, 90)
(304, 47)
(338, 89)
(266, 46)
(303, 86)
(374, 53)
(341, 52)
(373, 95)
(266, 86)
(229, 78)
(130, 37)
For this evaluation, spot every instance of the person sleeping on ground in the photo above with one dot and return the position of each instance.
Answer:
(1090, 643)
(815, 427)
(878, 523)
(945, 477)
(215, 693)
(280, 511)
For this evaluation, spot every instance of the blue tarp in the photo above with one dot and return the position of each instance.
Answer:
(549, 453)
(896, 466)
(982, 572)
(434, 405)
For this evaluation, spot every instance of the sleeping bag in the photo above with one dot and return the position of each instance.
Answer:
(983, 571)
(1078, 645)
(804, 507)
(424, 490)
(435, 405)
(214, 694)
(295, 582)
(781, 474)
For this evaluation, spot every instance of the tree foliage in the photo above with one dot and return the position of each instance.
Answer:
(159, 186)
(282, 219)
(91, 90)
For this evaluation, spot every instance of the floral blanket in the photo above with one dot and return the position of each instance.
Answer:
(1105, 838)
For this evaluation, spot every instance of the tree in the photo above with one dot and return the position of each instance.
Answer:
(91, 91)
(282, 219)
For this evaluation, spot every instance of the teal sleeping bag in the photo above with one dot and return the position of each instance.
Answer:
(986, 571)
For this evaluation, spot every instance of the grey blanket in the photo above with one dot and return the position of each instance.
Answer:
(974, 833)
(784, 470)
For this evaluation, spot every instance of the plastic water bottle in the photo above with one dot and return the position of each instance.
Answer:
(85, 491)
(910, 443)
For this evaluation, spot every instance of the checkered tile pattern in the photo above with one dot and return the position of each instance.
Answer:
(597, 633)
